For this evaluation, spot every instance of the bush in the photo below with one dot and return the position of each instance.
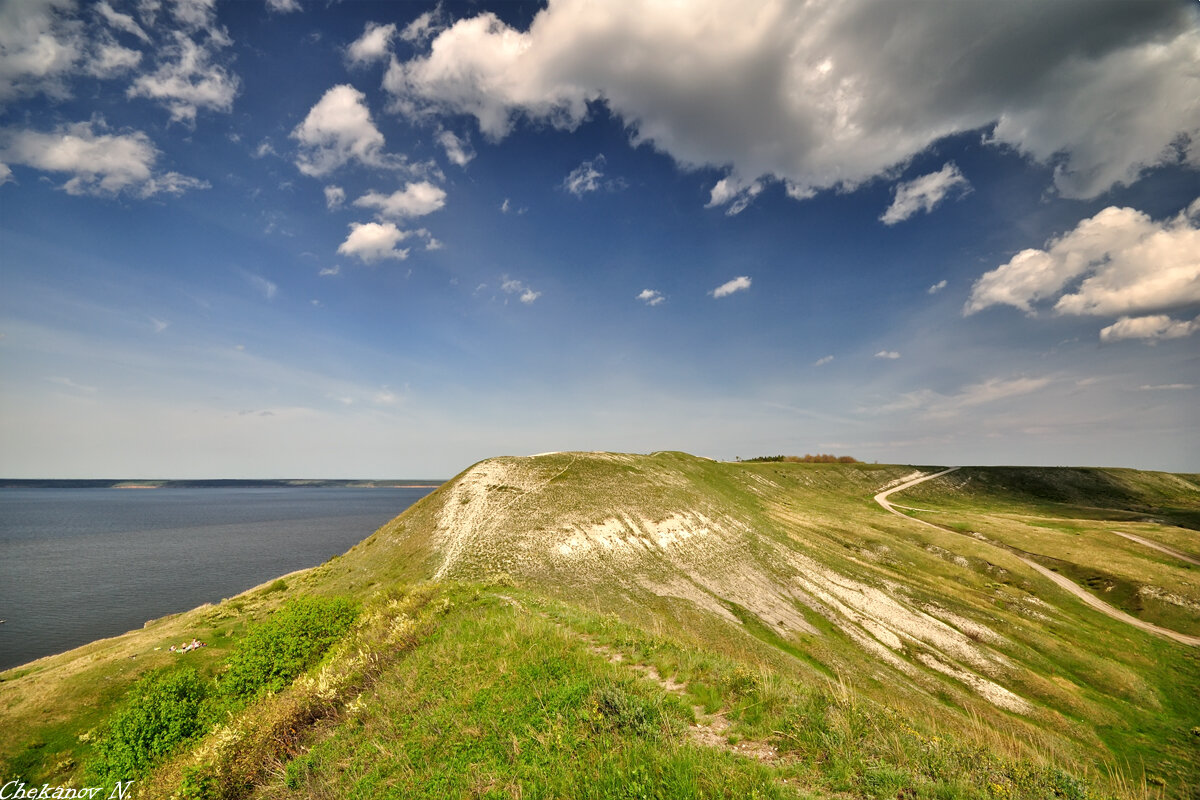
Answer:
(626, 711)
(288, 642)
(160, 711)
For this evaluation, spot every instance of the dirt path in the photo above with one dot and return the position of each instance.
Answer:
(1161, 547)
(709, 730)
(1085, 596)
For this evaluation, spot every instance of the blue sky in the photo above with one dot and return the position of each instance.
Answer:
(358, 239)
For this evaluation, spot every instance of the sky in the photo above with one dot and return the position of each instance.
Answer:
(300, 238)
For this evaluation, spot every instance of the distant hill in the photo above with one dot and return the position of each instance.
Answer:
(539, 625)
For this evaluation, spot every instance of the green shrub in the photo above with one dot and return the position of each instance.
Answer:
(285, 644)
(160, 711)
(626, 711)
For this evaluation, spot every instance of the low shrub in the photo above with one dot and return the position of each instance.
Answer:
(285, 644)
(160, 711)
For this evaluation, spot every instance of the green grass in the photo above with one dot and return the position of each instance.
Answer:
(495, 700)
(502, 682)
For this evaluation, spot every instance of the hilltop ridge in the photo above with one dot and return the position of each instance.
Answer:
(793, 572)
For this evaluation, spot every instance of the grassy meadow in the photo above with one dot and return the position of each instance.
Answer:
(664, 626)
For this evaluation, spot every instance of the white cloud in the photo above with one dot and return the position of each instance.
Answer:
(195, 14)
(888, 354)
(70, 384)
(1128, 264)
(385, 397)
(268, 288)
(122, 22)
(5, 174)
(937, 287)
(990, 391)
(933, 404)
(585, 178)
(507, 207)
(822, 361)
(414, 200)
(457, 150)
(1166, 387)
(424, 26)
(924, 193)
(337, 130)
(525, 293)
(735, 193)
(824, 95)
(110, 59)
(169, 183)
(148, 10)
(327, 272)
(100, 163)
(651, 297)
(284, 6)
(159, 325)
(738, 284)
(1152, 328)
(373, 241)
(373, 45)
(187, 80)
(39, 47)
(335, 196)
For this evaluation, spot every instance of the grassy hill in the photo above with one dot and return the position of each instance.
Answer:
(606, 625)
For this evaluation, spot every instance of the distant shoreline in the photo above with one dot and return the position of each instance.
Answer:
(218, 483)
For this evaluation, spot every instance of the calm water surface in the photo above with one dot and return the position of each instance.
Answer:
(82, 564)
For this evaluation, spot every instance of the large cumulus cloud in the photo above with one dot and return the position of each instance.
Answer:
(1117, 262)
(830, 94)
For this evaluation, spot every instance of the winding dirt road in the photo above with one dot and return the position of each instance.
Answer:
(1085, 596)
(1160, 547)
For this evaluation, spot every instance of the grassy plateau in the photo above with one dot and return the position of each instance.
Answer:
(599, 625)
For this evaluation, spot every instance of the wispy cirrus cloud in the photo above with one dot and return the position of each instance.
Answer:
(931, 404)
(70, 384)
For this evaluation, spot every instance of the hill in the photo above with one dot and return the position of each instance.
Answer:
(608, 625)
